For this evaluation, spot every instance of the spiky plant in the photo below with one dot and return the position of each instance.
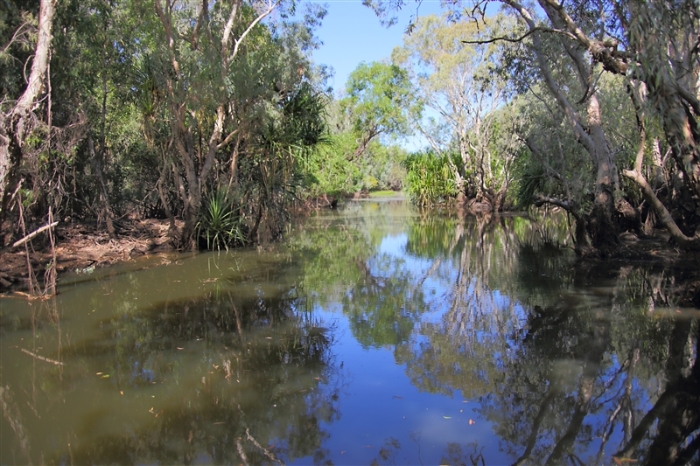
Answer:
(219, 225)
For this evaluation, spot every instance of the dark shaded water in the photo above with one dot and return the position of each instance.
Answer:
(374, 335)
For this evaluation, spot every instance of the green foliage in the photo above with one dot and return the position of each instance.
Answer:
(379, 96)
(331, 168)
(429, 178)
(328, 170)
(219, 225)
(458, 100)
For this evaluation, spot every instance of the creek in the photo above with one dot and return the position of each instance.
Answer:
(375, 334)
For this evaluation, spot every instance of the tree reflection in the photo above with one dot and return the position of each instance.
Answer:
(571, 363)
(572, 380)
(221, 378)
(375, 290)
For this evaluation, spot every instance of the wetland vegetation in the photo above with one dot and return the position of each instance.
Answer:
(533, 300)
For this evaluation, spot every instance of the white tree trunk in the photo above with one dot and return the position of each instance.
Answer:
(18, 123)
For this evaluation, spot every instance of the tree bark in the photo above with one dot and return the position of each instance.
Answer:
(18, 123)
(662, 213)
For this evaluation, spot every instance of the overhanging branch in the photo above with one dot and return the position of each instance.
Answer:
(519, 39)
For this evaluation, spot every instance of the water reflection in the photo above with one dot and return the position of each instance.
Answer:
(225, 377)
(378, 335)
(569, 363)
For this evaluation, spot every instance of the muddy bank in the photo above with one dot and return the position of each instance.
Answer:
(82, 246)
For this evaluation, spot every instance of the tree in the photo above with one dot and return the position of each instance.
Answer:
(659, 70)
(235, 96)
(454, 80)
(378, 101)
(19, 120)
(197, 46)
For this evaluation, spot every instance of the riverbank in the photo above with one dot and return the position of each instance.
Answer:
(83, 247)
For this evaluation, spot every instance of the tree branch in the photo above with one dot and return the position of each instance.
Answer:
(250, 28)
(33, 234)
(662, 213)
(521, 38)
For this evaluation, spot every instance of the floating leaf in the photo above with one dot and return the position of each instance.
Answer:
(620, 461)
(447, 417)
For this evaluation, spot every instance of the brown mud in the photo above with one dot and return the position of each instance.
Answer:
(81, 246)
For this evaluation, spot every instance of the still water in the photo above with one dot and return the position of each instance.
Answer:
(373, 335)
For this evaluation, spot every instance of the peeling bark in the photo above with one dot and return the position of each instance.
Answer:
(19, 122)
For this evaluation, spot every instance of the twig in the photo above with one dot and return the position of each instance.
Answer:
(42, 358)
(241, 453)
(265, 451)
(517, 39)
(33, 234)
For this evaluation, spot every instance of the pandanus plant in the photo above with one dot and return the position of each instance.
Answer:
(219, 225)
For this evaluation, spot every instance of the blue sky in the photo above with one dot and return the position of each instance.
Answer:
(351, 33)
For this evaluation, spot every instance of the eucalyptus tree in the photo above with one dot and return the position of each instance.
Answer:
(453, 81)
(223, 78)
(554, 167)
(660, 69)
(21, 100)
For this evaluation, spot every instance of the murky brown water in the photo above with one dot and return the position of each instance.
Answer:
(373, 335)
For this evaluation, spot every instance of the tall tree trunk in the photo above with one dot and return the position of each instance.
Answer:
(602, 226)
(18, 123)
(600, 222)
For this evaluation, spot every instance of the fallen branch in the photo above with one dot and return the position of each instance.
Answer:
(662, 213)
(265, 451)
(42, 358)
(33, 234)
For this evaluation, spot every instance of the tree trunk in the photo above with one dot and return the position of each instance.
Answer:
(104, 210)
(602, 227)
(16, 125)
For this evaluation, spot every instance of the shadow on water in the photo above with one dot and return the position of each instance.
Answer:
(225, 377)
(375, 335)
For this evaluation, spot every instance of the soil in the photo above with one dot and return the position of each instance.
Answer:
(81, 246)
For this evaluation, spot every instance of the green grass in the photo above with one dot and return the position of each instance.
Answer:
(384, 193)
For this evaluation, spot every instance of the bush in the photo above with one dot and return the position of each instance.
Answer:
(429, 178)
(219, 225)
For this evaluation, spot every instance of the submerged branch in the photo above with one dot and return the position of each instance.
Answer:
(42, 358)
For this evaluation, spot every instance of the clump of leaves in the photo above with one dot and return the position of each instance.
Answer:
(429, 178)
(219, 225)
